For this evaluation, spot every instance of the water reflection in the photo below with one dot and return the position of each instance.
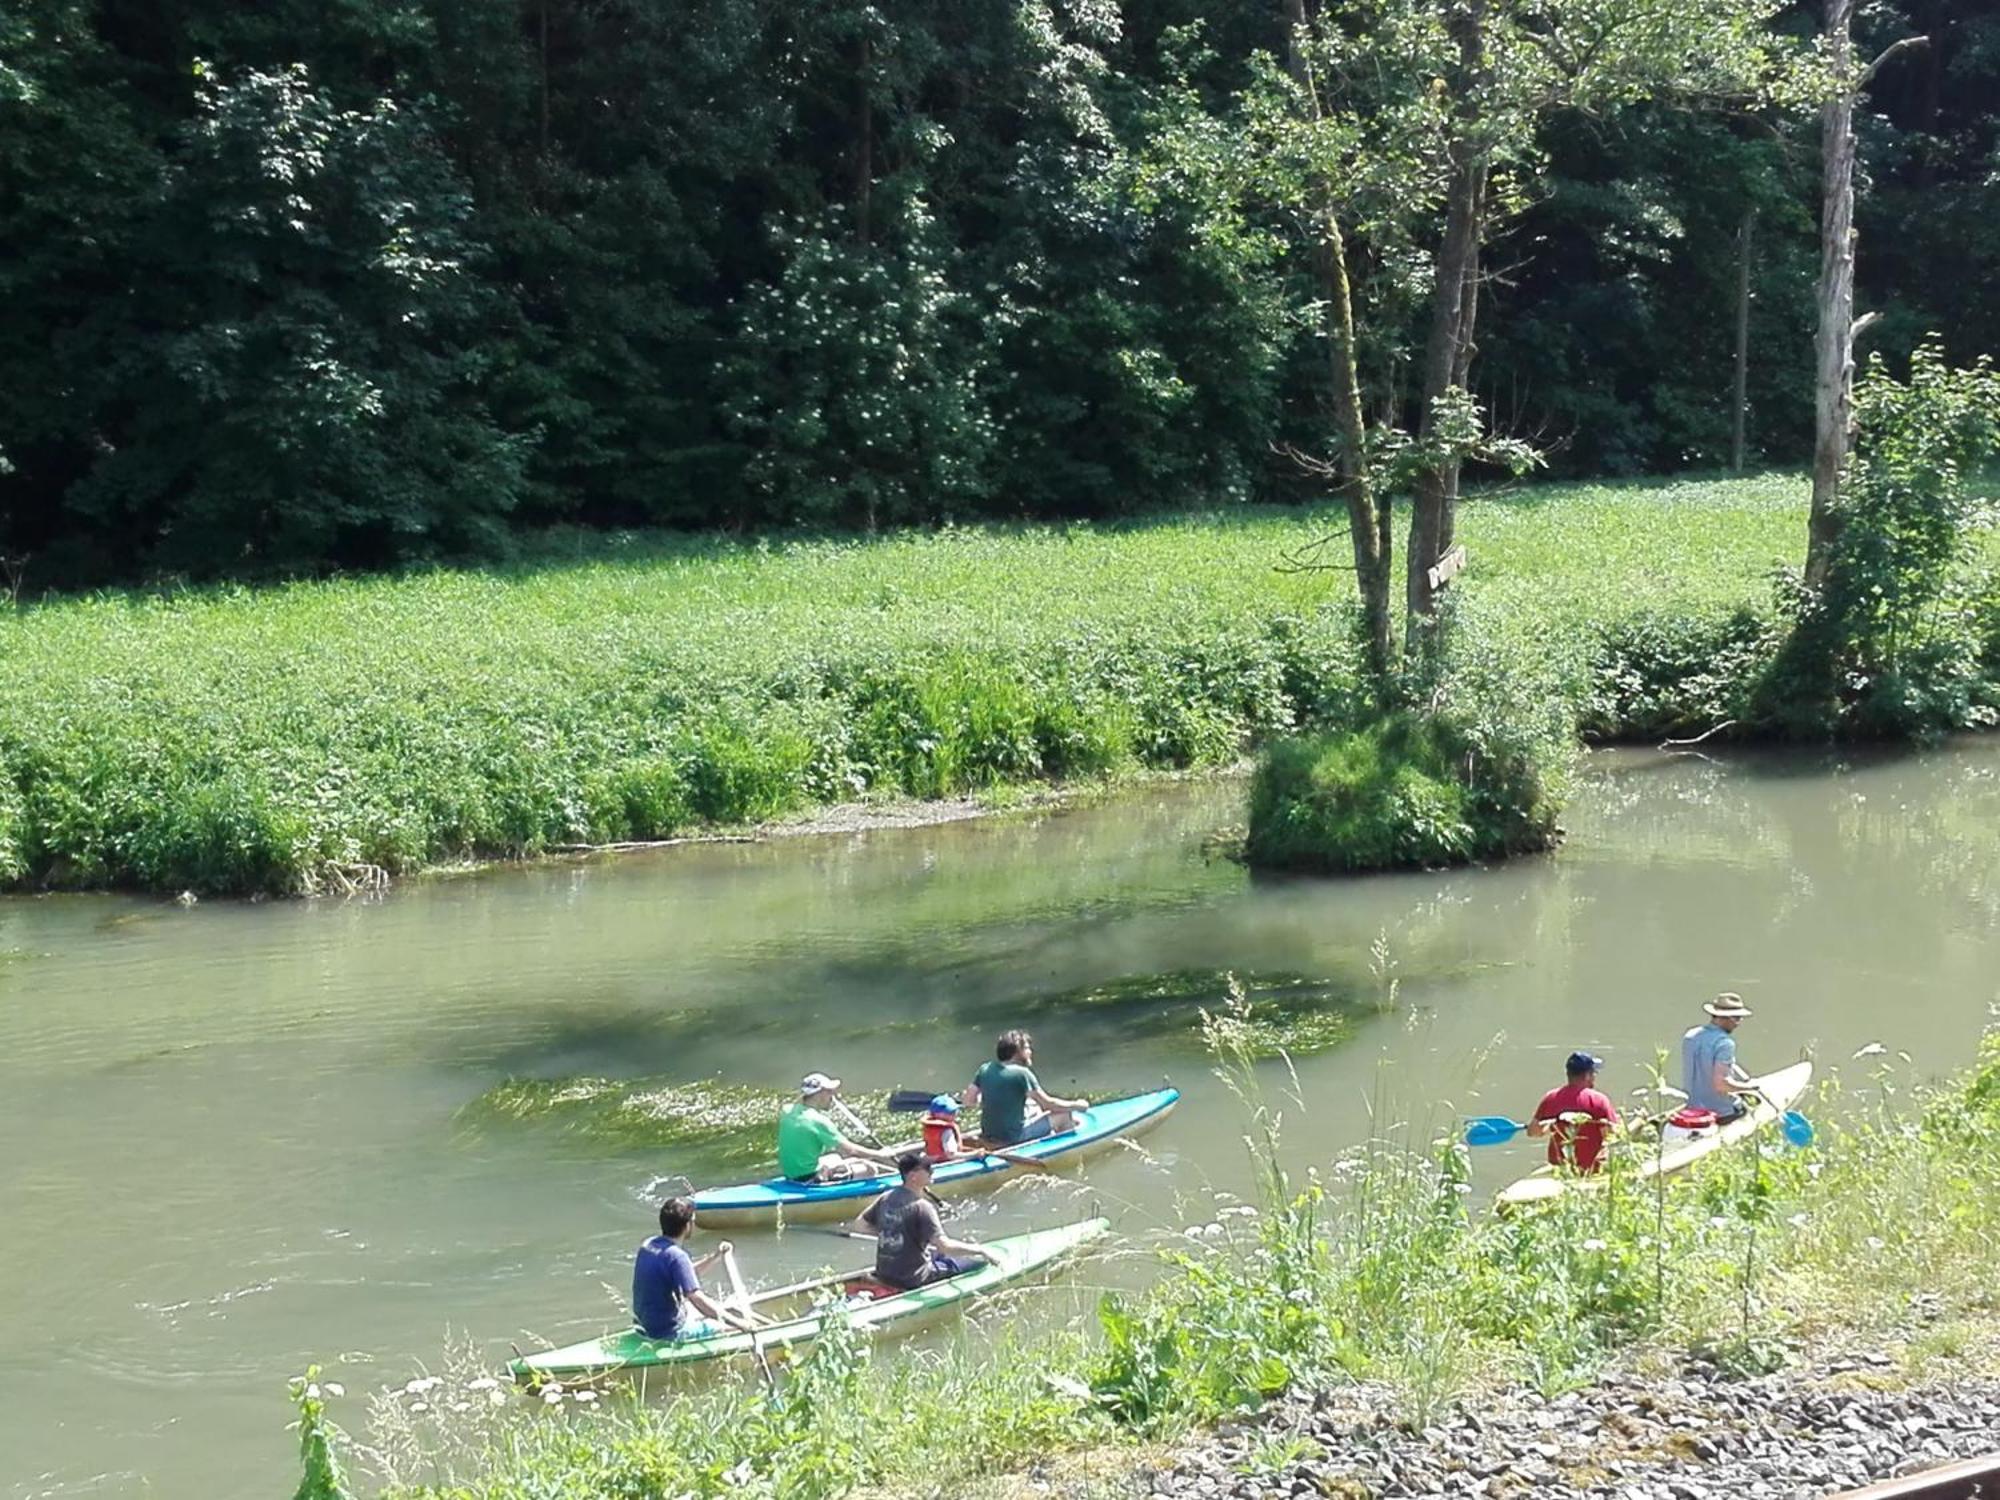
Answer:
(237, 1134)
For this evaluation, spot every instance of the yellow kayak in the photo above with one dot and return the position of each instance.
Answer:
(1779, 1091)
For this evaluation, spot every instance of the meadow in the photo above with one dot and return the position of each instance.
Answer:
(289, 739)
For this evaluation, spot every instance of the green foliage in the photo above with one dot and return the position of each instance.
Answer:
(859, 405)
(413, 278)
(837, 1419)
(320, 1478)
(1892, 644)
(242, 740)
(13, 860)
(1384, 796)
(1658, 674)
(1408, 790)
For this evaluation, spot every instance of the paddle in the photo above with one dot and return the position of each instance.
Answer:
(860, 1125)
(1493, 1130)
(1797, 1128)
(1033, 1164)
(741, 1297)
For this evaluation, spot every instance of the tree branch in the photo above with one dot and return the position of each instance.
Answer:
(1907, 44)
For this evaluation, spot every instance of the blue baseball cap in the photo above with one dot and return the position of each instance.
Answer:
(944, 1104)
(1583, 1062)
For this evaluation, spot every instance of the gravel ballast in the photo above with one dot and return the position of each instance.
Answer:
(1690, 1435)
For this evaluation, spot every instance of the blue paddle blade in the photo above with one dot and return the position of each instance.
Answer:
(1798, 1129)
(1491, 1130)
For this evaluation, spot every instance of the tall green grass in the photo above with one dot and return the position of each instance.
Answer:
(269, 740)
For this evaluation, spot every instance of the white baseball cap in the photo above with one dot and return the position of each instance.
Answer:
(812, 1083)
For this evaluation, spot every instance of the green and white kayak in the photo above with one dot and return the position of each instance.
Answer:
(796, 1314)
(1779, 1091)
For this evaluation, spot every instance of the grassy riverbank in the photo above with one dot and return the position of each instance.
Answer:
(288, 739)
(1885, 1230)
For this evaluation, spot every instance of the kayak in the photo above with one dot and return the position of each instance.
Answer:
(755, 1203)
(870, 1308)
(1780, 1091)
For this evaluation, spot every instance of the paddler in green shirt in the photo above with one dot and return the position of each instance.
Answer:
(1006, 1087)
(811, 1147)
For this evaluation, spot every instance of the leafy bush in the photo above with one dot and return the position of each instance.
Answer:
(1894, 643)
(1655, 674)
(13, 860)
(1406, 790)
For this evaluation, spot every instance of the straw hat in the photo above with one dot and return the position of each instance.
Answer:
(1727, 1005)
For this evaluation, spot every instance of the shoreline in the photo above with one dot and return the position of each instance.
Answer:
(858, 817)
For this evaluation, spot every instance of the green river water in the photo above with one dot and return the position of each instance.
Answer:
(233, 1133)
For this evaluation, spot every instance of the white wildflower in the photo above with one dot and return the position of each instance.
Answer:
(1593, 1244)
(552, 1398)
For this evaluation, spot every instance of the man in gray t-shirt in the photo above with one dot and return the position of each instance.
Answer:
(909, 1234)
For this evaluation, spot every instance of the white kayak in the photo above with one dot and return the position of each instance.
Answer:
(1779, 1091)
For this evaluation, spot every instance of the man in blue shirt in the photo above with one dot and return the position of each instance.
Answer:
(664, 1283)
(1709, 1073)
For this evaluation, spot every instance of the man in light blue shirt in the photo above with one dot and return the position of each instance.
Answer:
(1709, 1073)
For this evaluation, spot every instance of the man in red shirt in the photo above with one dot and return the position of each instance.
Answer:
(1574, 1116)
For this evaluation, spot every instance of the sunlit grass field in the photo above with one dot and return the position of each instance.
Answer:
(280, 738)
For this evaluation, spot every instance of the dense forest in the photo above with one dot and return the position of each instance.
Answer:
(293, 286)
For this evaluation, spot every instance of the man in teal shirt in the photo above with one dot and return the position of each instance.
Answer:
(811, 1147)
(1006, 1087)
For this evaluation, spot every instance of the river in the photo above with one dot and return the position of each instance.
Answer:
(233, 1134)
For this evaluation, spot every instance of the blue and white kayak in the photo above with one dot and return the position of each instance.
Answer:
(754, 1203)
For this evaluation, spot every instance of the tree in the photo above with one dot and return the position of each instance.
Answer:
(1833, 405)
(1506, 67)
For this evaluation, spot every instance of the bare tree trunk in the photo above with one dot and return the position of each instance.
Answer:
(1740, 400)
(1368, 521)
(1457, 262)
(1833, 404)
(1833, 395)
(1448, 349)
(1461, 364)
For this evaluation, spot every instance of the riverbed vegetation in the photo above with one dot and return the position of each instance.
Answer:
(296, 738)
(1375, 1266)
